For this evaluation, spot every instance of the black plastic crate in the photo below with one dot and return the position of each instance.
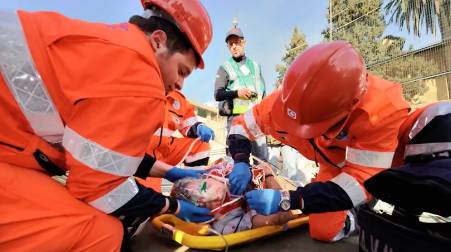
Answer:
(385, 233)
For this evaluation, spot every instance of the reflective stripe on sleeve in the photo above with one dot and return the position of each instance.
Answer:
(417, 149)
(376, 159)
(189, 122)
(238, 129)
(351, 186)
(24, 81)
(117, 197)
(438, 109)
(251, 124)
(98, 157)
(165, 132)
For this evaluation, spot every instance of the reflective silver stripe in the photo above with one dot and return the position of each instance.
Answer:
(117, 197)
(189, 122)
(257, 77)
(257, 69)
(229, 69)
(351, 186)
(24, 81)
(238, 129)
(98, 157)
(251, 124)
(341, 164)
(426, 148)
(437, 109)
(197, 156)
(376, 159)
(166, 132)
(345, 232)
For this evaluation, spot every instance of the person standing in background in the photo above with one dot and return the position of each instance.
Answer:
(240, 85)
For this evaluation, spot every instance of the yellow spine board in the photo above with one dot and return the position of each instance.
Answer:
(196, 235)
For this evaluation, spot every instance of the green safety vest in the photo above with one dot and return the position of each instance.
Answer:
(244, 76)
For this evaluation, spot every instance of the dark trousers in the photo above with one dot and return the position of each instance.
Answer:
(259, 147)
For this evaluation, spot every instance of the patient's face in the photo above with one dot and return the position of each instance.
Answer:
(206, 192)
(217, 193)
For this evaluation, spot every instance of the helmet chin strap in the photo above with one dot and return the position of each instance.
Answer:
(317, 149)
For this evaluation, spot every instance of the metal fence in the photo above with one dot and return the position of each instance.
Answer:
(419, 57)
(424, 73)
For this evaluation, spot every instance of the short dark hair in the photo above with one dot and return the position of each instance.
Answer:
(177, 41)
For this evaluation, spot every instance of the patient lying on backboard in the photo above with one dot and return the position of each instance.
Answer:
(230, 211)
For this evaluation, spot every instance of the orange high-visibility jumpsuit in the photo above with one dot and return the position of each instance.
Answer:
(173, 150)
(78, 92)
(403, 135)
(365, 147)
(416, 121)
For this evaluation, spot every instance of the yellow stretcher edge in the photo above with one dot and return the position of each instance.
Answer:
(194, 235)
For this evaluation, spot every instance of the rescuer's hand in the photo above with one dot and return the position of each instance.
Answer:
(264, 201)
(176, 173)
(191, 213)
(239, 178)
(205, 133)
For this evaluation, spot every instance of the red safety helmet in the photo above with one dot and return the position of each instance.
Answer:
(191, 18)
(320, 89)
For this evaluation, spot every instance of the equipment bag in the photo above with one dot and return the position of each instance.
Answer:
(398, 232)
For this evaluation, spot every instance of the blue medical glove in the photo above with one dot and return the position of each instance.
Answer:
(205, 133)
(239, 178)
(176, 173)
(189, 212)
(264, 201)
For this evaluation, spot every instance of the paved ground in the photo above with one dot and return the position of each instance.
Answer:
(292, 240)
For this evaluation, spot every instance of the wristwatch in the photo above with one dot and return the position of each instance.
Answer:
(285, 203)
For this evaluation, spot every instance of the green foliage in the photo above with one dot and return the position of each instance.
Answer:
(296, 46)
(412, 14)
(361, 23)
(392, 46)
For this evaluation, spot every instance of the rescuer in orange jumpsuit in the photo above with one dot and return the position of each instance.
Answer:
(192, 149)
(422, 164)
(74, 97)
(334, 113)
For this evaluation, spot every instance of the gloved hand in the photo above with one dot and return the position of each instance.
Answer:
(176, 173)
(190, 212)
(205, 133)
(264, 201)
(239, 178)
